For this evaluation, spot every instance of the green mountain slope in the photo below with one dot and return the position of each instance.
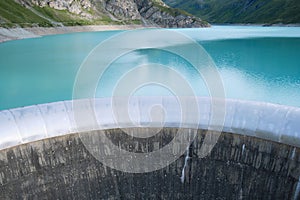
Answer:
(242, 11)
(27, 14)
(32, 13)
(13, 13)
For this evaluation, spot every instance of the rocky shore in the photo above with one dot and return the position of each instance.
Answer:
(22, 33)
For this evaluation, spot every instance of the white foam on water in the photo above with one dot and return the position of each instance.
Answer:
(257, 119)
(236, 32)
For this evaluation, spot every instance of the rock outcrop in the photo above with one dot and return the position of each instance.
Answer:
(78, 7)
(123, 9)
(148, 12)
(157, 12)
(152, 13)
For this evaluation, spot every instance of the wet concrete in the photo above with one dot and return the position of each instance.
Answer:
(238, 167)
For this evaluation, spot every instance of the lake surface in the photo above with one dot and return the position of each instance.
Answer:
(255, 63)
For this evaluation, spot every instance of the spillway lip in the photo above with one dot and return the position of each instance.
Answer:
(278, 123)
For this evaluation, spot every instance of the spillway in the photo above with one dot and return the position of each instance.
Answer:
(44, 153)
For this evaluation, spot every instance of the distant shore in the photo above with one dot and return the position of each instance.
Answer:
(263, 25)
(32, 32)
(22, 33)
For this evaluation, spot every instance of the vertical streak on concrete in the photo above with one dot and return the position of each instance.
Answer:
(186, 159)
(241, 185)
(114, 177)
(243, 149)
(242, 177)
(185, 164)
(293, 153)
(43, 118)
(19, 132)
(297, 191)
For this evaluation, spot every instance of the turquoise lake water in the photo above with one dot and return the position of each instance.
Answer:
(255, 63)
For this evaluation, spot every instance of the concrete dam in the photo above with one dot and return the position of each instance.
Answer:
(45, 155)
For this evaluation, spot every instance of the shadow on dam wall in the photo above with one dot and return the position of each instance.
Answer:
(238, 167)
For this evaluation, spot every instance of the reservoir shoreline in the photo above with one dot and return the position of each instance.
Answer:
(32, 32)
(8, 34)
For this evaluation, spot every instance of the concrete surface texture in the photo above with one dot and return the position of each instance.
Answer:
(238, 167)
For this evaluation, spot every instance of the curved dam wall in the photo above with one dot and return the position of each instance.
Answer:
(238, 167)
(263, 120)
(257, 155)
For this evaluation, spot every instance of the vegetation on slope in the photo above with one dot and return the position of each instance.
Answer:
(242, 11)
(172, 11)
(28, 13)
(70, 19)
(13, 13)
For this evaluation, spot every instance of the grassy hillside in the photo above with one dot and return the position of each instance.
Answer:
(28, 13)
(242, 11)
(13, 14)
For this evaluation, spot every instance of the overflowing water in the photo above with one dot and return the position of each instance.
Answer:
(185, 164)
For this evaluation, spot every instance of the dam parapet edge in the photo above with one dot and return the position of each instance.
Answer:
(268, 121)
